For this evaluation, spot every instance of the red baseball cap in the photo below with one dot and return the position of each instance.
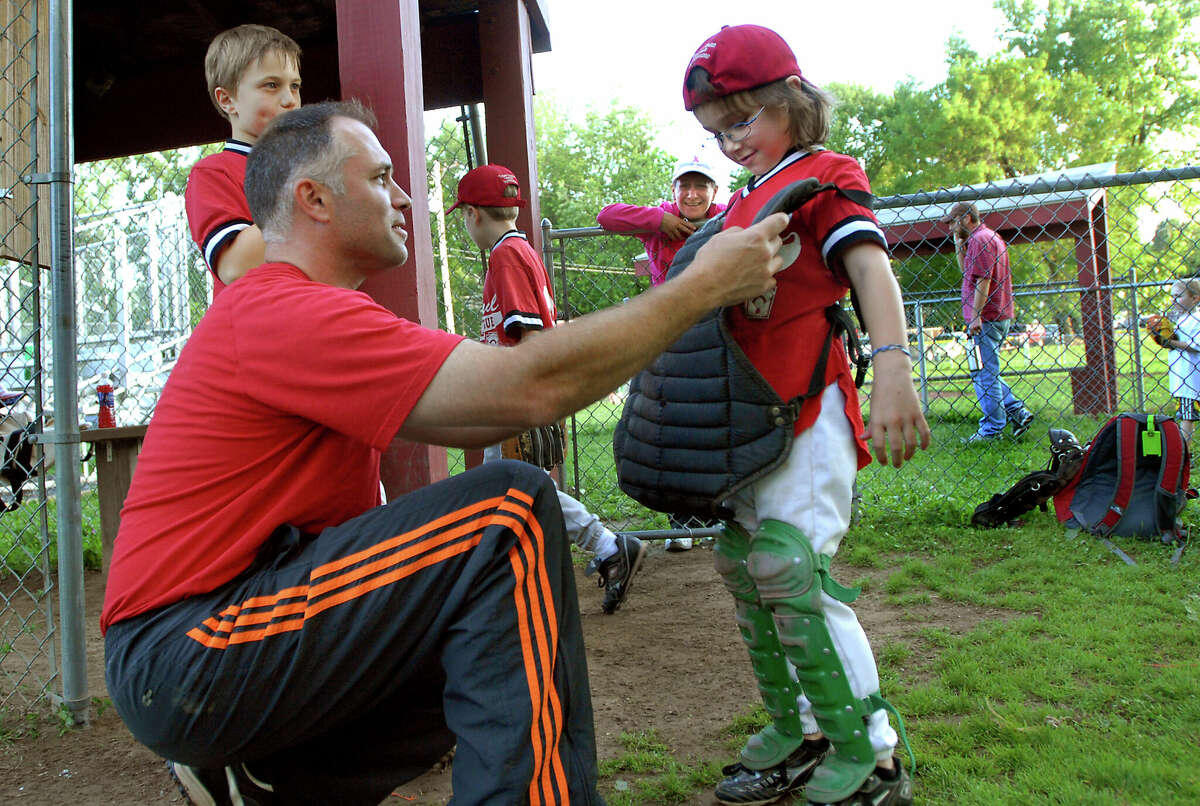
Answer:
(737, 58)
(484, 187)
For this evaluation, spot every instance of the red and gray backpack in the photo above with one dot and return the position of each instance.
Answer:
(1133, 483)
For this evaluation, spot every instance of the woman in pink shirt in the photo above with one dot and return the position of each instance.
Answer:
(664, 228)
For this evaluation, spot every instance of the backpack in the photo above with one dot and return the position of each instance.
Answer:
(1133, 482)
(1034, 489)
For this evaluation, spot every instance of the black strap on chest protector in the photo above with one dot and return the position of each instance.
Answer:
(701, 422)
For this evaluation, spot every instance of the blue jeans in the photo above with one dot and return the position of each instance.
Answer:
(995, 398)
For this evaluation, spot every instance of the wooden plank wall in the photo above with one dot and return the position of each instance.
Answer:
(18, 42)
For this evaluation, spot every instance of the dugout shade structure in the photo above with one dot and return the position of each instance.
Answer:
(1058, 206)
(138, 86)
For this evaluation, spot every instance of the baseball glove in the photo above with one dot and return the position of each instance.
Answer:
(542, 447)
(1160, 328)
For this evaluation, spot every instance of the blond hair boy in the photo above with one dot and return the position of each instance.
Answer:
(253, 74)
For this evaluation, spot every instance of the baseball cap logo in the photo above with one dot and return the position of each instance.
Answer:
(704, 53)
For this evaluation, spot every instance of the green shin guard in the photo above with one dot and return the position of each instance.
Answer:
(773, 744)
(790, 577)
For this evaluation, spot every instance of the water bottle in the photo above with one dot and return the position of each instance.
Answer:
(107, 417)
(974, 359)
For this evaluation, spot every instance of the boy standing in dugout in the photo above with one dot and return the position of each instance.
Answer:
(829, 732)
(518, 302)
(253, 75)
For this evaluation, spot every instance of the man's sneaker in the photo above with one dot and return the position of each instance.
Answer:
(229, 786)
(616, 572)
(747, 787)
(679, 544)
(200, 787)
(1022, 422)
(880, 791)
(246, 789)
(980, 439)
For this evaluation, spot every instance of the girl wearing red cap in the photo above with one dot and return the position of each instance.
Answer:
(830, 731)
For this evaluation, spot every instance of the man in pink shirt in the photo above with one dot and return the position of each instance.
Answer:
(987, 307)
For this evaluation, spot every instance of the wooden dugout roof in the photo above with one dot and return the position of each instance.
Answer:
(139, 66)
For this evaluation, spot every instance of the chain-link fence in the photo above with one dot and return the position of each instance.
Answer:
(141, 282)
(28, 662)
(1092, 256)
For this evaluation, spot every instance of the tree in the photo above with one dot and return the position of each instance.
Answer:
(611, 157)
(1082, 81)
(1129, 69)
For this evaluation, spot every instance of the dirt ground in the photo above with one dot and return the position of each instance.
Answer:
(670, 660)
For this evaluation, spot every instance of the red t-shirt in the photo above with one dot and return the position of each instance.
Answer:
(782, 332)
(516, 292)
(276, 413)
(215, 201)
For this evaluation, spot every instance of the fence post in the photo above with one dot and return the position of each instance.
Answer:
(919, 320)
(66, 403)
(547, 250)
(1134, 321)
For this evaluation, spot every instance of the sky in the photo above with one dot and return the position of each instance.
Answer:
(634, 51)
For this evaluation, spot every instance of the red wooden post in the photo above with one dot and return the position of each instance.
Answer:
(379, 62)
(1094, 385)
(505, 55)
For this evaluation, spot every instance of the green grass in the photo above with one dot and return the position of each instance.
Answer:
(936, 484)
(647, 773)
(21, 546)
(1076, 685)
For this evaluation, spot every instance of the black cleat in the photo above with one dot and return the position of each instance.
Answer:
(880, 791)
(746, 787)
(1022, 422)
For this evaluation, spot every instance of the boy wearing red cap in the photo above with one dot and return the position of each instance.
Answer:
(818, 679)
(517, 300)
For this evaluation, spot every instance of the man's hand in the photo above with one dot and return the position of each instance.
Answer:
(562, 370)
(975, 326)
(897, 426)
(676, 228)
(739, 264)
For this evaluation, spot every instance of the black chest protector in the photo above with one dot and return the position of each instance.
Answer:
(700, 422)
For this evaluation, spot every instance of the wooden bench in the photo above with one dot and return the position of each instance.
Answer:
(116, 456)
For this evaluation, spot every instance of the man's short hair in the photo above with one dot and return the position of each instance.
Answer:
(959, 209)
(233, 52)
(299, 144)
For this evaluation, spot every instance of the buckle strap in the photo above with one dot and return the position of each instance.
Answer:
(837, 590)
(874, 702)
